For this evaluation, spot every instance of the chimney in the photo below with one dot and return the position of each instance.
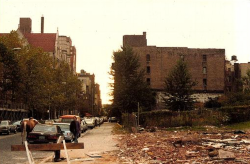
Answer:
(25, 25)
(42, 25)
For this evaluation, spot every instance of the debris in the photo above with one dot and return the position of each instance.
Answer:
(213, 153)
(239, 132)
(145, 149)
(94, 155)
(226, 155)
(191, 147)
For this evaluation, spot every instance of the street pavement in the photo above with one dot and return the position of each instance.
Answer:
(99, 147)
(16, 157)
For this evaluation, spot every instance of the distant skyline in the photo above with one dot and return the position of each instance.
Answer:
(96, 27)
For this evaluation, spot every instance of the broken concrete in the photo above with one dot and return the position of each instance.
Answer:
(193, 147)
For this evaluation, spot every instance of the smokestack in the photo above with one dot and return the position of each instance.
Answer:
(42, 25)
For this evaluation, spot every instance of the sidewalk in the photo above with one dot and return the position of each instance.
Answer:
(100, 147)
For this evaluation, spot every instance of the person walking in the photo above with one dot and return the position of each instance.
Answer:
(75, 129)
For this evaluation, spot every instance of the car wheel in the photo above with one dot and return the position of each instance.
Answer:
(15, 131)
(8, 132)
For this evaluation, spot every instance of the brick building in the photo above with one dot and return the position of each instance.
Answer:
(207, 66)
(59, 47)
(88, 92)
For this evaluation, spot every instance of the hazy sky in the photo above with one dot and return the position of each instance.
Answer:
(96, 27)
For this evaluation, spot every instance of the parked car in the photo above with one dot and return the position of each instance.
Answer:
(65, 127)
(18, 125)
(50, 122)
(97, 121)
(112, 119)
(90, 122)
(105, 118)
(69, 118)
(84, 126)
(6, 126)
(43, 133)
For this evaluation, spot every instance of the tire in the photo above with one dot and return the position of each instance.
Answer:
(8, 132)
(15, 131)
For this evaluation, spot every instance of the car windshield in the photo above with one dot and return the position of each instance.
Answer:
(64, 127)
(4, 122)
(17, 123)
(41, 128)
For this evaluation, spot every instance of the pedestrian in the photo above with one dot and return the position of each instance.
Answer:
(75, 129)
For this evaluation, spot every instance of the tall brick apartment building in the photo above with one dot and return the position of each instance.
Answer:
(207, 66)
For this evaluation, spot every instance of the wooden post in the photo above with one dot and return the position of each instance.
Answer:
(29, 155)
(47, 147)
(66, 152)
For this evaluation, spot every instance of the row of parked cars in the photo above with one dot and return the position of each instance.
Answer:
(50, 130)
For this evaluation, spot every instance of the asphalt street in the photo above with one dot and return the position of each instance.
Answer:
(16, 157)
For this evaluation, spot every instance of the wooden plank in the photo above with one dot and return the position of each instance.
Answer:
(47, 147)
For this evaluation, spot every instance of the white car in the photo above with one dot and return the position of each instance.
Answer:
(84, 126)
(90, 122)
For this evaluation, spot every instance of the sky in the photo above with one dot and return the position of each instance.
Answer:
(96, 27)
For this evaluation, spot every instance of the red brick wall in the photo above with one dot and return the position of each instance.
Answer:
(135, 40)
(25, 25)
(162, 59)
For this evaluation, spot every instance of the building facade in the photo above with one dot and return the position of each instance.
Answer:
(59, 47)
(206, 66)
(88, 92)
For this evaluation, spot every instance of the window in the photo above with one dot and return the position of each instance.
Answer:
(204, 58)
(204, 82)
(148, 69)
(148, 57)
(148, 81)
(204, 70)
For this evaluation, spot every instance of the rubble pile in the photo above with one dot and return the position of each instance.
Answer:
(189, 147)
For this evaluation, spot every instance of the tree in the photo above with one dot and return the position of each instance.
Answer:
(129, 85)
(34, 79)
(178, 88)
(10, 74)
(246, 82)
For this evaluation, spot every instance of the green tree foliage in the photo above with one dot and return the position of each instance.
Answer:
(246, 82)
(40, 83)
(10, 71)
(242, 97)
(129, 85)
(178, 88)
